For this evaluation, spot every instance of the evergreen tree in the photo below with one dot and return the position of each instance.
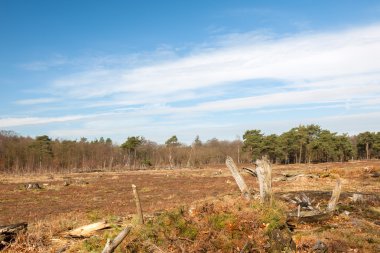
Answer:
(253, 143)
(131, 145)
(365, 142)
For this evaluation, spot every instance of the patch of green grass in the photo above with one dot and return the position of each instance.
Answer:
(94, 215)
(113, 218)
(169, 224)
(273, 216)
(349, 208)
(145, 189)
(223, 243)
(221, 220)
(373, 213)
(112, 233)
(93, 244)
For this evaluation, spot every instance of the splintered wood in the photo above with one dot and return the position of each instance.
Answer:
(315, 214)
(88, 230)
(335, 196)
(264, 176)
(238, 178)
(111, 245)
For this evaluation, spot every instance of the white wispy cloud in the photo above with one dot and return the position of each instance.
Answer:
(34, 101)
(335, 60)
(335, 69)
(328, 95)
(24, 121)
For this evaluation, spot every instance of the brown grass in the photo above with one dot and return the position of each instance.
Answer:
(58, 208)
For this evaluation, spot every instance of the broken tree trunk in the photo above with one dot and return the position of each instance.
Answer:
(335, 196)
(88, 230)
(264, 176)
(238, 178)
(8, 233)
(138, 204)
(111, 245)
(314, 214)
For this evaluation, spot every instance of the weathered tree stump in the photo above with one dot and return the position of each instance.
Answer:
(264, 176)
(238, 178)
(335, 196)
(315, 214)
(138, 204)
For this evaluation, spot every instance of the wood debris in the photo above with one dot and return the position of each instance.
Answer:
(88, 230)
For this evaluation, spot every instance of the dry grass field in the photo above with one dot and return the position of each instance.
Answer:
(70, 200)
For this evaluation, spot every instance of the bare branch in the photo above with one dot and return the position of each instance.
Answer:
(111, 245)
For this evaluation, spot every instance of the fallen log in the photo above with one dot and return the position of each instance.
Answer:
(8, 233)
(88, 230)
(308, 217)
(111, 245)
(238, 178)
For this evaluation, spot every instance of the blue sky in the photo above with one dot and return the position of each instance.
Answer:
(209, 68)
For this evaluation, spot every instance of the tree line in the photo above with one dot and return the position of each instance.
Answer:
(302, 144)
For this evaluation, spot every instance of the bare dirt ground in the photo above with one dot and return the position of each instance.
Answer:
(93, 196)
(110, 192)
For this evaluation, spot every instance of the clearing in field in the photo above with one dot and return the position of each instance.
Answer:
(197, 210)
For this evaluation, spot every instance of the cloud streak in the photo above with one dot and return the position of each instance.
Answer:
(25, 121)
(336, 59)
(245, 72)
(35, 101)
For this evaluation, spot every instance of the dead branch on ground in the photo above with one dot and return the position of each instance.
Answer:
(111, 245)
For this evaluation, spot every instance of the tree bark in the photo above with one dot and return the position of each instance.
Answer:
(335, 196)
(188, 164)
(134, 159)
(138, 204)
(170, 159)
(88, 230)
(264, 176)
(300, 158)
(238, 178)
(111, 163)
